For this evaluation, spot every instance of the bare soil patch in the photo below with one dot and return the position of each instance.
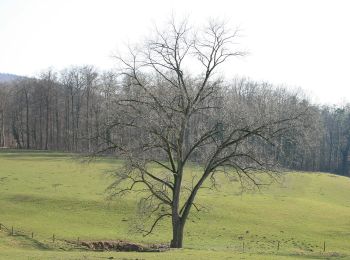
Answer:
(123, 246)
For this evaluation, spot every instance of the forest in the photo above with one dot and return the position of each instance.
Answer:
(71, 110)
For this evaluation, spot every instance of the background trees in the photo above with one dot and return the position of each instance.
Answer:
(59, 111)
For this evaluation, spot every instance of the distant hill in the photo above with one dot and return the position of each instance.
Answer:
(6, 77)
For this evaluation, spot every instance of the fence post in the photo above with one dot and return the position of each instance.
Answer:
(0, 226)
(12, 231)
(324, 246)
(32, 234)
(243, 246)
(278, 245)
(53, 238)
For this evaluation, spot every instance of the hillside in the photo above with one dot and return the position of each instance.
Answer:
(55, 193)
(6, 77)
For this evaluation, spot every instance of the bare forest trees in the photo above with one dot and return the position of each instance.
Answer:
(177, 117)
(3, 111)
(58, 111)
(335, 142)
(51, 112)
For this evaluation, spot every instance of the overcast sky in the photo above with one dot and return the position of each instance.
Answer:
(302, 43)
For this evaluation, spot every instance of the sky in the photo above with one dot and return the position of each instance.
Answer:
(295, 43)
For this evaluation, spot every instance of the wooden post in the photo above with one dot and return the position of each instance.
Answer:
(53, 238)
(32, 234)
(12, 230)
(324, 246)
(243, 246)
(0, 226)
(278, 245)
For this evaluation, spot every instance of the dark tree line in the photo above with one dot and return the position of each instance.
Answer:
(58, 111)
(71, 110)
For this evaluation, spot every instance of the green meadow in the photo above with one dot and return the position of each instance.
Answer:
(49, 193)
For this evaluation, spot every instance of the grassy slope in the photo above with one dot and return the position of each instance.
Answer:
(53, 193)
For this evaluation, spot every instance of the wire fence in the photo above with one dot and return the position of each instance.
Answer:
(41, 241)
(242, 244)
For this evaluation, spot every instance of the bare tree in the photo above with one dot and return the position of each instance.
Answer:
(3, 109)
(342, 118)
(168, 116)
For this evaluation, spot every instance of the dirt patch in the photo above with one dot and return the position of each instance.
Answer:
(123, 246)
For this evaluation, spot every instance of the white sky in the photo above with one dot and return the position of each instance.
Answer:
(299, 43)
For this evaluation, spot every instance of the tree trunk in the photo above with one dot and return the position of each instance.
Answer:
(40, 126)
(27, 119)
(345, 155)
(3, 138)
(345, 163)
(58, 143)
(178, 228)
(47, 123)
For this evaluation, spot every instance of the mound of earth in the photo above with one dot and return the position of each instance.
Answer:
(122, 246)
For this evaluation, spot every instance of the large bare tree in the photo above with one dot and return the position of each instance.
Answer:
(173, 108)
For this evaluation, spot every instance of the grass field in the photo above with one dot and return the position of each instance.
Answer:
(54, 193)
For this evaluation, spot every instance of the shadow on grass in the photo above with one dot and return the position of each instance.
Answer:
(33, 153)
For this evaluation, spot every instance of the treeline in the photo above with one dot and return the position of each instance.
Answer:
(58, 111)
(75, 109)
